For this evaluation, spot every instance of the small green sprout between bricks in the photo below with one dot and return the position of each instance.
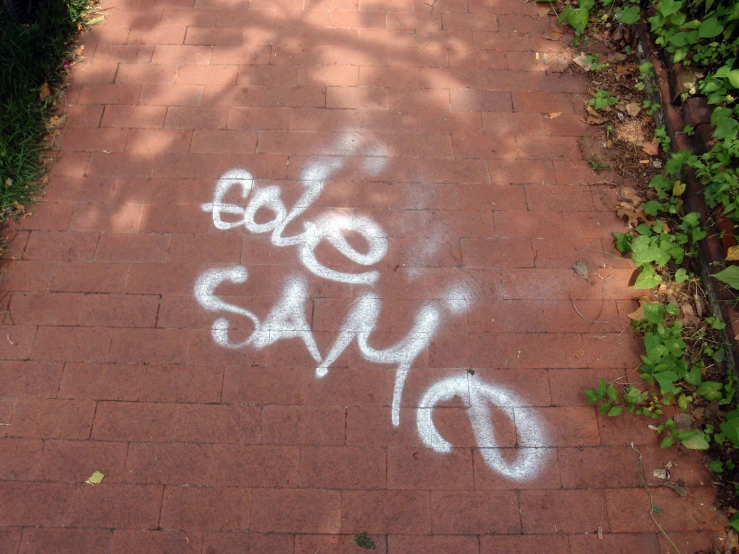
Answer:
(363, 540)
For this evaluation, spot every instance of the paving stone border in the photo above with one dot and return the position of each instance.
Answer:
(675, 115)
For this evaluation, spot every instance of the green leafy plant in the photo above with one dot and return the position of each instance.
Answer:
(577, 18)
(678, 378)
(363, 540)
(646, 70)
(730, 276)
(660, 133)
(593, 62)
(31, 57)
(597, 162)
(629, 14)
(602, 99)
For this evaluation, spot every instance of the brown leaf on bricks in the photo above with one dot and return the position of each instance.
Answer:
(633, 109)
(638, 314)
(593, 118)
(45, 91)
(551, 34)
(628, 206)
(651, 148)
(581, 268)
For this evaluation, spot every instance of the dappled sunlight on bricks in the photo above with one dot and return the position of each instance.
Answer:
(435, 123)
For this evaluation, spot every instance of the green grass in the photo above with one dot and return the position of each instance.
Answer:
(31, 55)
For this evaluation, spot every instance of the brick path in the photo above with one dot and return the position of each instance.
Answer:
(174, 346)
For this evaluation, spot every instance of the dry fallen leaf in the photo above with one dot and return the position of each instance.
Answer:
(554, 115)
(593, 118)
(543, 11)
(638, 314)
(732, 254)
(651, 148)
(630, 195)
(629, 203)
(581, 268)
(96, 478)
(551, 34)
(633, 109)
(731, 544)
(689, 318)
(57, 120)
(634, 215)
(622, 70)
(616, 57)
(580, 60)
(96, 20)
(45, 91)
(698, 305)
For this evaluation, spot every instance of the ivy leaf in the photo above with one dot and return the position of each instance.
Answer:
(734, 521)
(629, 15)
(667, 442)
(648, 279)
(578, 19)
(730, 429)
(653, 312)
(734, 78)
(710, 390)
(666, 380)
(615, 411)
(622, 242)
(674, 346)
(710, 28)
(695, 440)
(717, 466)
(668, 7)
(730, 276)
(681, 276)
(694, 376)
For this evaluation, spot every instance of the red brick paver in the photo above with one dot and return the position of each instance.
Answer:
(169, 324)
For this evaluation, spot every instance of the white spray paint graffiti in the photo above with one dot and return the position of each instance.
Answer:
(287, 318)
(329, 227)
(529, 461)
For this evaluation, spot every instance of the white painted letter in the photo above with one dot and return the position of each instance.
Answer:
(205, 294)
(236, 176)
(529, 461)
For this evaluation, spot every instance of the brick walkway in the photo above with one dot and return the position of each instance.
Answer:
(303, 270)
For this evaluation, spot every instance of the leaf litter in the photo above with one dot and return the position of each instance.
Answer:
(96, 478)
